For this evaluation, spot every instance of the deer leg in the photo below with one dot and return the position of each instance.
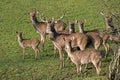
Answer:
(23, 53)
(106, 46)
(61, 58)
(97, 67)
(36, 52)
(77, 69)
(43, 38)
(55, 51)
(97, 45)
(85, 67)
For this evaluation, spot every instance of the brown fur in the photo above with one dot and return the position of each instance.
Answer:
(41, 27)
(24, 43)
(96, 36)
(83, 57)
(78, 40)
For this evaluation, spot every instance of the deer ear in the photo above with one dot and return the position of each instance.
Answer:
(16, 31)
(84, 21)
(28, 13)
(76, 21)
(37, 12)
(102, 13)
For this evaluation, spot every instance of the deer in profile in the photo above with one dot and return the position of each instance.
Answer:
(83, 57)
(41, 27)
(80, 40)
(97, 37)
(24, 43)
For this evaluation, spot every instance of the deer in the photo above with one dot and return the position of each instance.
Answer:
(80, 40)
(83, 57)
(24, 43)
(69, 31)
(97, 37)
(41, 26)
(115, 38)
(71, 26)
(108, 21)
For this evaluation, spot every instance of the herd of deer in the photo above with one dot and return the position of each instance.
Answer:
(68, 39)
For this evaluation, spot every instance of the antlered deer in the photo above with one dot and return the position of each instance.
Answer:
(83, 57)
(80, 40)
(41, 27)
(24, 43)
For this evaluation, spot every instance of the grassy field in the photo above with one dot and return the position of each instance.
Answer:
(14, 17)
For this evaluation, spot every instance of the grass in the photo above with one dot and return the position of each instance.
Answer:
(14, 17)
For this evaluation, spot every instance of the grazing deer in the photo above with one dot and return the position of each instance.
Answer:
(24, 43)
(83, 57)
(97, 37)
(80, 40)
(41, 27)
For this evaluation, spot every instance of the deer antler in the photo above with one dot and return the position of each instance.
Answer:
(102, 13)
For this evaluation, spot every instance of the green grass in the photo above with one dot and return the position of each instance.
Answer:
(14, 17)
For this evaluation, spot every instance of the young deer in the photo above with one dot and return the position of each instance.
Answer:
(80, 40)
(96, 36)
(41, 27)
(83, 57)
(24, 43)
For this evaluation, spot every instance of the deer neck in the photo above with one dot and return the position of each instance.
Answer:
(71, 29)
(81, 29)
(69, 52)
(109, 23)
(53, 35)
(34, 20)
(20, 39)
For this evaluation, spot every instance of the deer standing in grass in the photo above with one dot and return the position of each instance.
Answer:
(96, 36)
(24, 43)
(70, 31)
(80, 40)
(41, 27)
(83, 57)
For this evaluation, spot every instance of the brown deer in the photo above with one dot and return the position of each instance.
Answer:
(114, 37)
(24, 43)
(80, 40)
(70, 31)
(83, 57)
(108, 21)
(97, 37)
(71, 26)
(40, 27)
